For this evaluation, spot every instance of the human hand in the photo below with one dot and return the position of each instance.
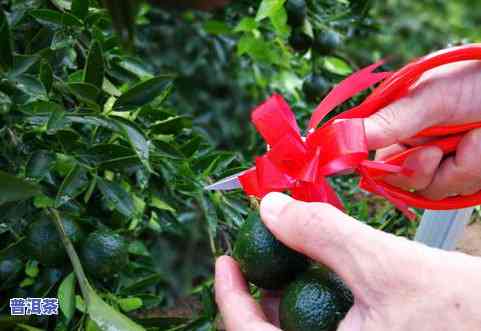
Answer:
(398, 284)
(447, 95)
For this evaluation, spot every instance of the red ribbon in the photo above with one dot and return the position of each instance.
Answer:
(300, 165)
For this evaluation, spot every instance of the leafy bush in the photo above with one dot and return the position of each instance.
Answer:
(88, 132)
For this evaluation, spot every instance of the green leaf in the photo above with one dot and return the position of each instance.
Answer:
(191, 146)
(258, 49)
(55, 18)
(129, 304)
(216, 27)
(66, 296)
(110, 88)
(6, 51)
(275, 11)
(162, 205)
(136, 139)
(80, 303)
(72, 186)
(210, 215)
(31, 87)
(31, 269)
(173, 125)
(269, 8)
(43, 201)
(27, 282)
(46, 75)
(337, 66)
(105, 152)
(135, 66)
(80, 8)
(279, 21)
(137, 247)
(56, 121)
(142, 283)
(107, 318)
(63, 4)
(117, 196)
(91, 326)
(247, 24)
(94, 68)
(143, 93)
(86, 92)
(26, 327)
(13, 188)
(21, 64)
(39, 164)
(5, 103)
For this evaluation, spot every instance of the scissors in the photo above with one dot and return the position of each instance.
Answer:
(393, 87)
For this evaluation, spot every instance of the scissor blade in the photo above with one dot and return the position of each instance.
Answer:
(228, 183)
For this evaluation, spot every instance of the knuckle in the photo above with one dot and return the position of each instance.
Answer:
(421, 183)
(434, 193)
(386, 120)
(471, 189)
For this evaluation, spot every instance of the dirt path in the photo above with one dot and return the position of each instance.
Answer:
(471, 242)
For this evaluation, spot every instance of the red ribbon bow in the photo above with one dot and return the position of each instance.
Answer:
(301, 164)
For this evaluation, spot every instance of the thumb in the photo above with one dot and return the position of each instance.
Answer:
(403, 119)
(362, 256)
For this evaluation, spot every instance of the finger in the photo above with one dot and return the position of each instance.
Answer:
(424, 163)
(416, 141)
(353, 320)
(239, 310)
(460, 174)
(384, 153)
(270, 305)
(401, 120)
(404, 118)
(362, 256)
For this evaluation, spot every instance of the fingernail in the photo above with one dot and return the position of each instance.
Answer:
(272, 205)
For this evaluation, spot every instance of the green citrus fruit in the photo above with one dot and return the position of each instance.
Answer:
(104, 253)
(315, 87)
(10, 271)
(300, 41)
(326, 42)
(44, 243)
(296, 12)
(264, 260)
(316, 301)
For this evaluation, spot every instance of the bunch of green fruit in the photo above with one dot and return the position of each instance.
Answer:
(103, 252)
(322, 42)
(314, 298)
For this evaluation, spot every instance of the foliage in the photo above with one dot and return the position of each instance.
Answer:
(88, 129)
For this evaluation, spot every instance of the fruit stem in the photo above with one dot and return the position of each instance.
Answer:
(72, 254)
(254, 202)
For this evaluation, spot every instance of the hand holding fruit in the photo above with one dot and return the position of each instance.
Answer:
(397, 284)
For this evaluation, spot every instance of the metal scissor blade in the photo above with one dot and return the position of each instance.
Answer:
(228, 183)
